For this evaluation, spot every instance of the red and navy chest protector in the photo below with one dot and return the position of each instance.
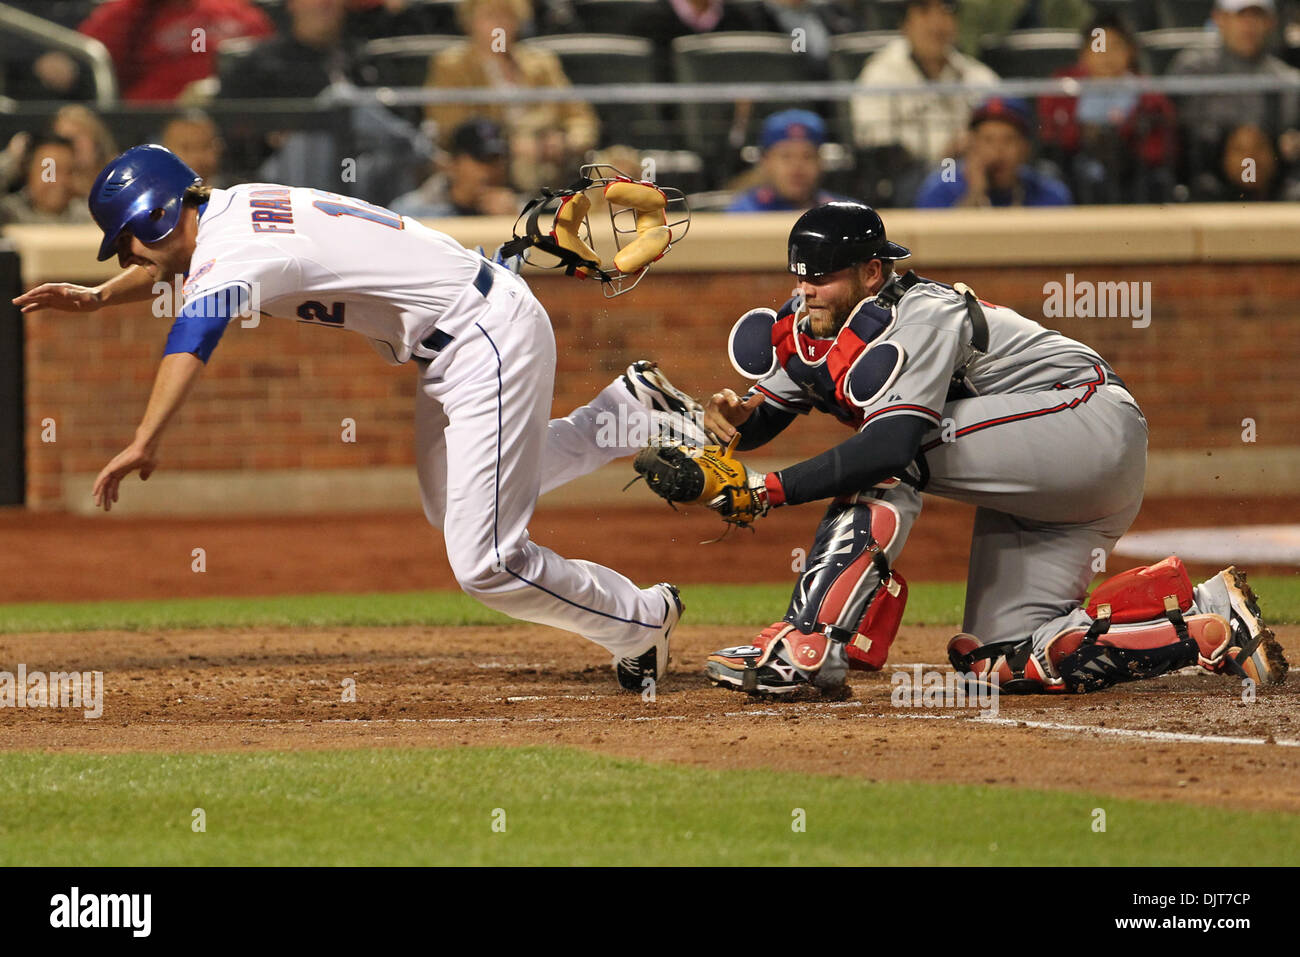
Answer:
(821, 367)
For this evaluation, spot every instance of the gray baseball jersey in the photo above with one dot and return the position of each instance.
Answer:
(1029, 426)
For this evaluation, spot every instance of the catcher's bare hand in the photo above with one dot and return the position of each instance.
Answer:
(124, 463)
(62, 296)
(725, 411)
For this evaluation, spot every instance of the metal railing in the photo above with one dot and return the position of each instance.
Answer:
(76, 45)
(821, 90)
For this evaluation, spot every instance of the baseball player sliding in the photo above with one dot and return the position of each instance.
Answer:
(962, 398)
(482, 343)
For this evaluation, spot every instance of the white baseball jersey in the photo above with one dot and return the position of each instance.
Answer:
(320, 257)
(484, 447)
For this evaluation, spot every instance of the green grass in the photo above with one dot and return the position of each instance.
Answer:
(706, 604)
(929, 603)
(571, 807)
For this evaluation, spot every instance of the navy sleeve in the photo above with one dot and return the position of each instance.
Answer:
(763, 425)
(882, 450)
(202, 321)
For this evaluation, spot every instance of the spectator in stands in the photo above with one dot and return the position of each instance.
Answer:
(671, 19)
(12, 160)
(983, 20)
(995, 170)
(317, 57)
(1249, 170)
(197, 141)
(373, 19)
(473, 179)
(1245, 27)
(158, 47)
(928, 126)
(50, 192)
(314, 52)
(816, 23)
(545, 138)
(791, 167)
(1119, 146)
(92, 143)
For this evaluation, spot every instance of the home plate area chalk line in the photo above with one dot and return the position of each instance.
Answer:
(1244, 545)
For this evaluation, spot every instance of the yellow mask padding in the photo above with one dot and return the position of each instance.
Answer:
(648, 246)
(568, 220)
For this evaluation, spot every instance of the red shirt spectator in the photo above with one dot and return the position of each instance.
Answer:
(153, 43)
(1148, 126)
(1145, 123)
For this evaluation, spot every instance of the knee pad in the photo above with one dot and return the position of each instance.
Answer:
(1140, 594)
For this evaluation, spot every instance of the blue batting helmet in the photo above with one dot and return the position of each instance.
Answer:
(141, 191)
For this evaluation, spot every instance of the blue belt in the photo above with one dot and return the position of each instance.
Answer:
(438, 340)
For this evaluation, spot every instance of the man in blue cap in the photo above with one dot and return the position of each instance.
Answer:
(791, 166)
(995, 169)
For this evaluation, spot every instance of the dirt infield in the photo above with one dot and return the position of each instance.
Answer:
(56, 557)
(1187, 737)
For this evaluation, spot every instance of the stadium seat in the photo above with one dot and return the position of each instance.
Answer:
(234, 50)
(1159, 47)
(850, 51)
(1032, 53)
(600, 58)
(732, 58)
(1173, 14)
(617, 17)
(404, 61)
(67, 13)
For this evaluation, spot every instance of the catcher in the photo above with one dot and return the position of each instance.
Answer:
(969, 400)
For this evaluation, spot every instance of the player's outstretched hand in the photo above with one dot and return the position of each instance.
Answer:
(725, 411)
(124, 463)
(63, 296)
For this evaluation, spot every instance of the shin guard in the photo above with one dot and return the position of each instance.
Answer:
(848, 591)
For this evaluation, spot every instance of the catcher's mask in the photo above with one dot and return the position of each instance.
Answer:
(647, 220)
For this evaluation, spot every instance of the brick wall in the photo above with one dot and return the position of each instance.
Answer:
(1223, 345)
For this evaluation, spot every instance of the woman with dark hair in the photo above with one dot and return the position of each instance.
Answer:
(1117, 146)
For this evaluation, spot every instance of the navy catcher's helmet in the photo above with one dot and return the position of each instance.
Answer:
(141, 191)
(835, 236)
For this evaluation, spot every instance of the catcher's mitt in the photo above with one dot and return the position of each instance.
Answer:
(709, 475)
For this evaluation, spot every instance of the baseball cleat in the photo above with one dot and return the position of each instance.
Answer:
(737, 667)
(653, 662)
(680, 418)
(1252, 646)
